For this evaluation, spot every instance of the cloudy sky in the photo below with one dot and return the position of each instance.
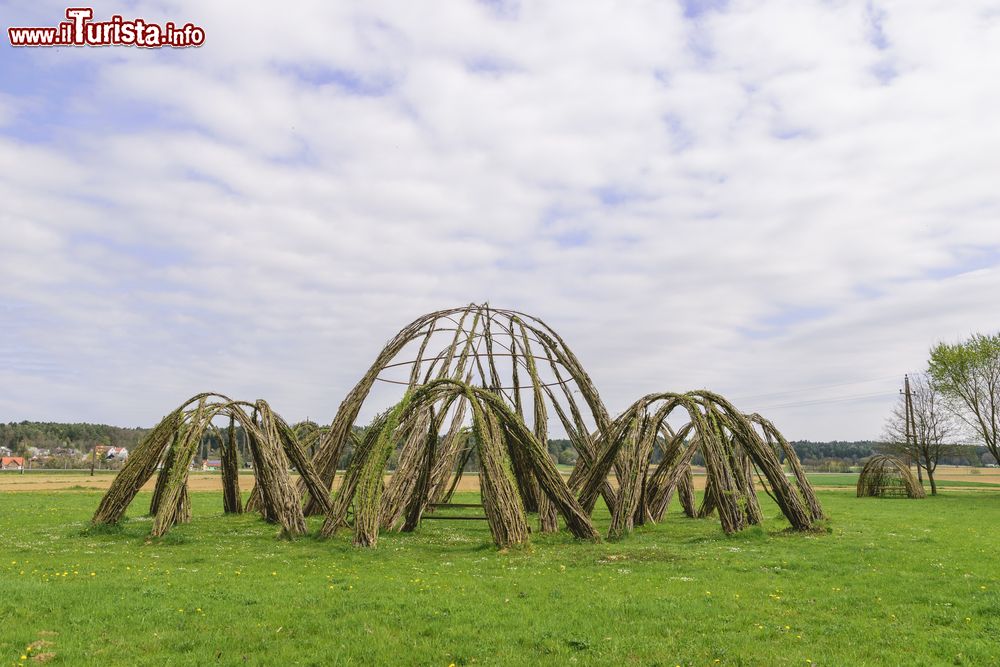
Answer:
(787, 202)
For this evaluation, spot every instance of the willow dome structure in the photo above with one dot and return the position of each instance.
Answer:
(487, 381)
(515, 356)
(888, 477)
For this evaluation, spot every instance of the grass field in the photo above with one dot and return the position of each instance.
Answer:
(889, 582)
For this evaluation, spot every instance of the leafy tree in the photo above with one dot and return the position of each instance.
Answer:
(567, 456)
(926, 441)
(968, 375)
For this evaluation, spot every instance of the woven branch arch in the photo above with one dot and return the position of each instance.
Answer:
(886, 476)
(171, 447)
(737, 449)
(499, 432)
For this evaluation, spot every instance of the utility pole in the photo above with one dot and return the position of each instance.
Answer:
(911, 426)
(93, 459)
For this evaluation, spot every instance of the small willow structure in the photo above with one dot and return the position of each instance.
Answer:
(888, 477)
(171, 446)
(484, 382)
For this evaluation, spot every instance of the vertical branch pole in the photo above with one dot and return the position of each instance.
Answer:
(231, 500)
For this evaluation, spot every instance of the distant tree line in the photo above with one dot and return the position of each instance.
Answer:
(829, 456)
(823, 456)
(841, 456)
(20, 436)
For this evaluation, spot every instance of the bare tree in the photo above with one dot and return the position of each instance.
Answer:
(931, 427)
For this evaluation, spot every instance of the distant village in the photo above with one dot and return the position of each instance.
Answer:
(102, 457)
(105, 457)
(26, 446)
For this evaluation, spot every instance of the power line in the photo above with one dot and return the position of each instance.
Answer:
(820, 401)
(809, 388)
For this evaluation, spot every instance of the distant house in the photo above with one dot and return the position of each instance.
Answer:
(116, 453)
(12, 463)
(211, 464)
(109, 453)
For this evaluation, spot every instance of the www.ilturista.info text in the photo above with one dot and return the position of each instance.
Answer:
(81, 30)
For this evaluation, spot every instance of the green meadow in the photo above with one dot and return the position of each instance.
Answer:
(886, 582)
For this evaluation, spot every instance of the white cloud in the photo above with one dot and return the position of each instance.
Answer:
(768, 198)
